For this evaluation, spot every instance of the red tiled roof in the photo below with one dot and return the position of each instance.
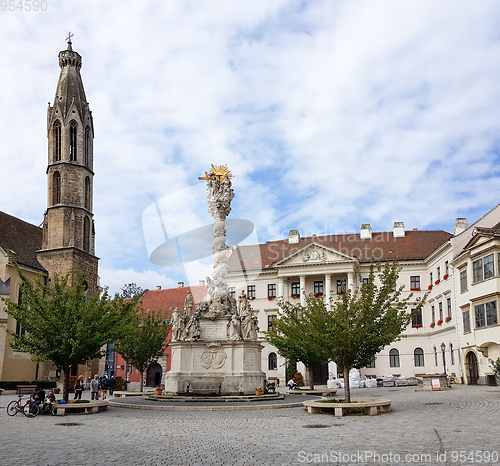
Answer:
(160, 301)
(415, 245)
(21, 237)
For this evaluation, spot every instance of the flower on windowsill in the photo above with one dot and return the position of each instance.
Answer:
(440, 321)
(429, 287)
(295, 296)
(432, 324)
(445, 277)
(447, 319)
(251, 298)
(271, 298)
(437, 281)
(416, 325)
(415, 289)
(318, 295)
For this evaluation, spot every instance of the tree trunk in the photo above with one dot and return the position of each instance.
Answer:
(66, 371)
(311, 379)
(347, 388)
(142, 381)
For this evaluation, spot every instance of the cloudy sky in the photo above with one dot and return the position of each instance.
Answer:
(329, 113)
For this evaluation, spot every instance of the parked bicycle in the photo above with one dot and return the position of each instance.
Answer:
(29, 408)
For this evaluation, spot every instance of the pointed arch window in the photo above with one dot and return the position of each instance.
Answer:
(86, 150)
(56, 188)
(87, 193)
(72, 140)
(86, 234)
(56, 133)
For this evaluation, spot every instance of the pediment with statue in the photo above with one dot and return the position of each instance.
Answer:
(314, 254)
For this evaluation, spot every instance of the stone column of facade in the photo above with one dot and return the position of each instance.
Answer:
(350, 281)
(302, 290)
(328, 289)
(281, 286)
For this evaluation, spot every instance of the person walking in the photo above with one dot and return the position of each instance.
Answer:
(104, 387)
(111, 385)
(79, 388)
(94, 388)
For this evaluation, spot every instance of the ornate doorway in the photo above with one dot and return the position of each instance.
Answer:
(472, 370)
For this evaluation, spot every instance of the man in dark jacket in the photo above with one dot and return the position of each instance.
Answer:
(39, 395)
(111, 385)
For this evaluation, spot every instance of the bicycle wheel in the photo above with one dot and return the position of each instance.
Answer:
(31, 410)
(12, 408)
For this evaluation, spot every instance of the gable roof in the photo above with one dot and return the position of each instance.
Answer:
(21, 237)
(415, 245)
(160, 301)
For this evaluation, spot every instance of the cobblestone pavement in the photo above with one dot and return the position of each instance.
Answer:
(463, 419)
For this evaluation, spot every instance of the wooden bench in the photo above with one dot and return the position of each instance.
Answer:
(371, 406)
(26, 389)
(214, 387)
(95, 406)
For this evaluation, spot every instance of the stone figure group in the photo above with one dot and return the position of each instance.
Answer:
(243, 324)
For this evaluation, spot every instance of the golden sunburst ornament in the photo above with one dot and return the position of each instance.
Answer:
(220, 172)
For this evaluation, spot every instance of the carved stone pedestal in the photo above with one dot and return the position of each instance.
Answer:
(235, 364)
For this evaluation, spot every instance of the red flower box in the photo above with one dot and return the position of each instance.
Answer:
(416, 325)
(415, 289)
(429, 287)
(271, 298)
(440, 321)
(295, 296)
(445, 277)
(448, 319)
(251, 298)
(318, 295)
(432, 325)
(437, 281)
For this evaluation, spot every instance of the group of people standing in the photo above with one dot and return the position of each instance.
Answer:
(99, 387)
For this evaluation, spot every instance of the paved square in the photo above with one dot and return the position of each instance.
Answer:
(463, 419)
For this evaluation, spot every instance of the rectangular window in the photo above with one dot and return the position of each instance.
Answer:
(438, 273)
(479, 316)
(446, 269)
(128, 368)
(271, 290)
(466, 318)
(415, 282)
(489, 266)
(463, 281)
(341, 286)
(433, 312)
(477, 271)
(371, 365)
(448, 305)
(491, 313)
(430, 279)
(416, 320)
(20, 331)
(232, 291)
(251, 291)
(271, 320)
(440, 311)
(318, 287)
(365, 281)
(296, 289)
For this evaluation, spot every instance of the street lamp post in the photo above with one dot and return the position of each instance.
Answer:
(443, 348)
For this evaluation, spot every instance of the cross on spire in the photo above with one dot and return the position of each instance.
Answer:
(69, 37)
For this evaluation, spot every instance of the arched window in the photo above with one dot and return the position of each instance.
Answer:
(418, 355)
(451, 354)
(86, 234)
(435, 356)
(273, 362)
(56, 134)
(72, 140)
(86, 148)
(394, 357)
(87, 193)
(56, 188)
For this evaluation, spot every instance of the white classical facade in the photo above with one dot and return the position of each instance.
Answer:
(325, 265)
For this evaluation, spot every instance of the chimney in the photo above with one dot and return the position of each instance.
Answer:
(366, 231)
(202, 282)
(293, 237)
(180, 284)
(399, 230)
(158, 287)
(460, 225)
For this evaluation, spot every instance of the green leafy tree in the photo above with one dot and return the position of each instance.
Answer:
(130, 290)
(63, 324)
(145, 343)
(364, 321)
(294, 333)
(495, 366)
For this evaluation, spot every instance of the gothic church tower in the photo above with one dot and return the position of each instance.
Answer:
(68, 227)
